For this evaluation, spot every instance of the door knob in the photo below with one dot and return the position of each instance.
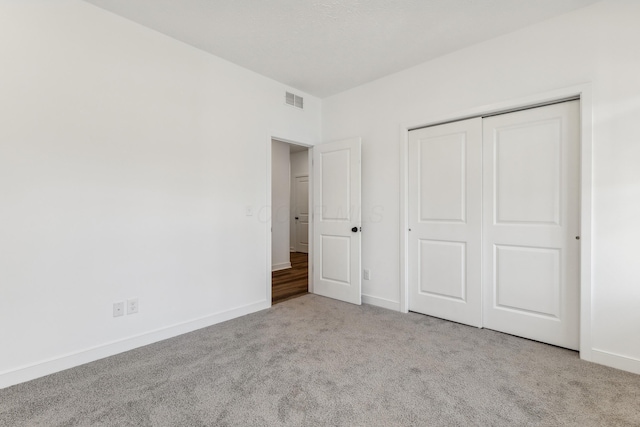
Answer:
(296, 217)
(354, 229)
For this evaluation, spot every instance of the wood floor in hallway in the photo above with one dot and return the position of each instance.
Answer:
(292, 282)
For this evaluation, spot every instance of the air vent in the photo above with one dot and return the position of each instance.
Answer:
(294, 100)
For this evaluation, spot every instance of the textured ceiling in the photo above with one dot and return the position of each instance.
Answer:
(326, 46)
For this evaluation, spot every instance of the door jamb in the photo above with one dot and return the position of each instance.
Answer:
(584, 92)
(267, 207)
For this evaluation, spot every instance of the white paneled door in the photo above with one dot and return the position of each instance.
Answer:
(301, 196)
(494, 222)
(336, 220)
(445, 175)
(531, 223)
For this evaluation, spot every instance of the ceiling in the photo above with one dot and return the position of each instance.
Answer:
(323, 47)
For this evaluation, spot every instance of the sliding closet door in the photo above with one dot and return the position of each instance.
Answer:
(444, 218)
(531, 223)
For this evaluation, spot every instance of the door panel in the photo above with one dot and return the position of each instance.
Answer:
(442, 160)
(531, 219)
(527, 172)
(443, 269)
(537, 292)
(302, 214)
(336, 248)
(444, 219)
(336, 168)
(336, 257)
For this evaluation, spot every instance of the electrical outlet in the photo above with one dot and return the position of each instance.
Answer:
(132, 306)
(366, 274)
(118, 309)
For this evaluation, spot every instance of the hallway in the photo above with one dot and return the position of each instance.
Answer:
(292, 282)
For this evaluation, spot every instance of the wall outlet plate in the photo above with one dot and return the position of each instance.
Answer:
(366, 274)
(118, 309)
(132, 306)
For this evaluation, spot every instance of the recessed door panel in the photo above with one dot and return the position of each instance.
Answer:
(335, 200)
(527, 172)
(303, 240)
(443, 269)
(336, 255)
(535, 293)
(442, 172)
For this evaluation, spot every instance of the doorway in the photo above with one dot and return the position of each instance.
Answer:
(290, 221)
(335, 226)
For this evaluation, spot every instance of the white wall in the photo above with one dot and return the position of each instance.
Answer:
(299, 167)
(598, 44)
(127, 162)
(280, 206)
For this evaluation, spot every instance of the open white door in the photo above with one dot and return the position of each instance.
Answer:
(337, 222)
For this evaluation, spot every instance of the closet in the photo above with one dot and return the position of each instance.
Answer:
(494, 222)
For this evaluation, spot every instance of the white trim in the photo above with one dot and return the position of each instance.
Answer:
(70, 360)
(268, 222)
(281, 266)
(586, 221)
(381, 302)
(311, 221)
(583, 91)
(614, 360)
(404, 218)
(498, 107)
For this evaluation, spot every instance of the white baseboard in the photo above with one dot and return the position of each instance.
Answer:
(381, 302)
(281, 266)
(47, 367)
(617, 361)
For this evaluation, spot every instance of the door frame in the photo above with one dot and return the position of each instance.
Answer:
(266, 209)
(583, 92)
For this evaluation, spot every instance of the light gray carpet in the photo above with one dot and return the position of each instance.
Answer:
(314, 361)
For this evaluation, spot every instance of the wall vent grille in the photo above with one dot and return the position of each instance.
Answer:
(294, 100)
